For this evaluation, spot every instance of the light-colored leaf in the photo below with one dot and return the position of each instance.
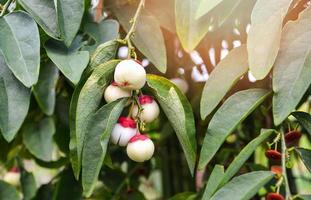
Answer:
(213, 181)
(205, 6)
(103, 53)
(28, 185)
(8, 191)
(305, 155)
(304, 120)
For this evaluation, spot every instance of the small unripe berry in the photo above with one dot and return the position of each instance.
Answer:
(181, 84)
(273, 155)
(274, 196)
(277, 170)
(292, 138)
(140, 148)
(123, 131)
(114, 92)
(12, 177)
(150, 110)
(130, 74)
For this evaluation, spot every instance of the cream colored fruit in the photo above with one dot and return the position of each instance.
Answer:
(140, 148)
(114, 92)
(123, 131)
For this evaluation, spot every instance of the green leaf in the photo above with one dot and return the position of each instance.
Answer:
(305, 197)
(44, 12)
(184, 196)
(235, 109)
(38, 138)
(28, 184)
(304, 120)
(263, 40)
(179, 112)
(14, 96)
(7, 191)
(148, 36)
(69, 15)
(83, 104)
(205, 6)
(100, 126)
(243, 187)
(292, 69)
(104, 52)
(20, 46)
(44, 90)
(305, 155)
(70, 62)
(223, 77)
(213, 181)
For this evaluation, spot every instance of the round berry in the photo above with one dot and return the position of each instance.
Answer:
(181, 84)
(123, 131)
(274, 196)
(150, 108)
(277, 170)
(140, 148)
(12, 177)
(292, 137)
(114, 92)
(273, 155)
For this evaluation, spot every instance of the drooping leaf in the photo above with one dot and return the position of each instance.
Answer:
(7, 191)
(305, 155)
(205, 6)
(44, 90)
(304, 120)
(28, 184)
(14, 102)
(100, 126)
(69, 15)
(83, 104)
(213, 181)
(178, 111)
(70, 62)
(235, 109)
(263, 40)
(19, 38)
(292, 69)
(44, 12)
(38, 138)
(104, 52)
(223, 77)
(243, 187)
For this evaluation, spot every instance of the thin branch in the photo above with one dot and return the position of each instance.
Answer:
(287, 189)
(5, 7)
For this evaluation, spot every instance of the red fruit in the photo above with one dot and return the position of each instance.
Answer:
(114, 83)
(144, 99)
(138, 137)
(127, 122)
(273, 154)
(277, 169)
(292, 136)
(14, 170)
(274, 196)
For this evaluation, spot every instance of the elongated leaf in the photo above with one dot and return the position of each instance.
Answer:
(243, 187)
(223, 77)
(184, 196)
(264, 36)
(304, 120)
(38, 138)
(44, 12)
(179, 112)
(28, 184)
(84, 103)
(7, 191)
(44, 90)
(227, 118)
(205, 6)
(305, 155)
(14, 96)
(100, 126)
(104, 52)
(69, 61)
(292, 69)
(148, 36)
(20, 46)
(213, 181)
(305, 197)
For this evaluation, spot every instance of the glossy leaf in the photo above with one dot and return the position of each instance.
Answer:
(235, 109)
(292, 69)
(7, 191)
(263, 41)
(44, 90)
(205, 6)
(243, 187)
(213, 181)
(44, 12)
(19, 38)
(100, 126)
(304, 120)
(28, 184)
(14, 102)
(179, 113)
(305, 155)
(104, 52)
(38, 138)
(70, 62)
(223, 77)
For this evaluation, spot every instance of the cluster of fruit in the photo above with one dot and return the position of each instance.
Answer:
(130, 77)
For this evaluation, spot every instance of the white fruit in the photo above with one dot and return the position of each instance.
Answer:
(130, 74)
(181, 84)
(12, 177)
(150, 110)
(140, 148)
(123, 131)
(114, 92)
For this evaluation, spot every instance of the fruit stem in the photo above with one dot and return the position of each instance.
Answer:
(5, 7)
(287, 189)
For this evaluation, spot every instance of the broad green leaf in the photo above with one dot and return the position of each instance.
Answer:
(44, 90)
(104, 52)
(292, 69)
(305, 197)
(179, 113)
(304, 120)
(69, 15)
(28, 184)
(305, 155)
(20, 46)
(44, 12)
(243, 187)
(85, 103)
(100, 126)
(213, 181)
(223, 77)
(205, 6)
(263, 40)
(7, 191)
(38, 138)
(14, 102)
(70, 62)
(235, 109)
(184, 196)
(148, 36)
